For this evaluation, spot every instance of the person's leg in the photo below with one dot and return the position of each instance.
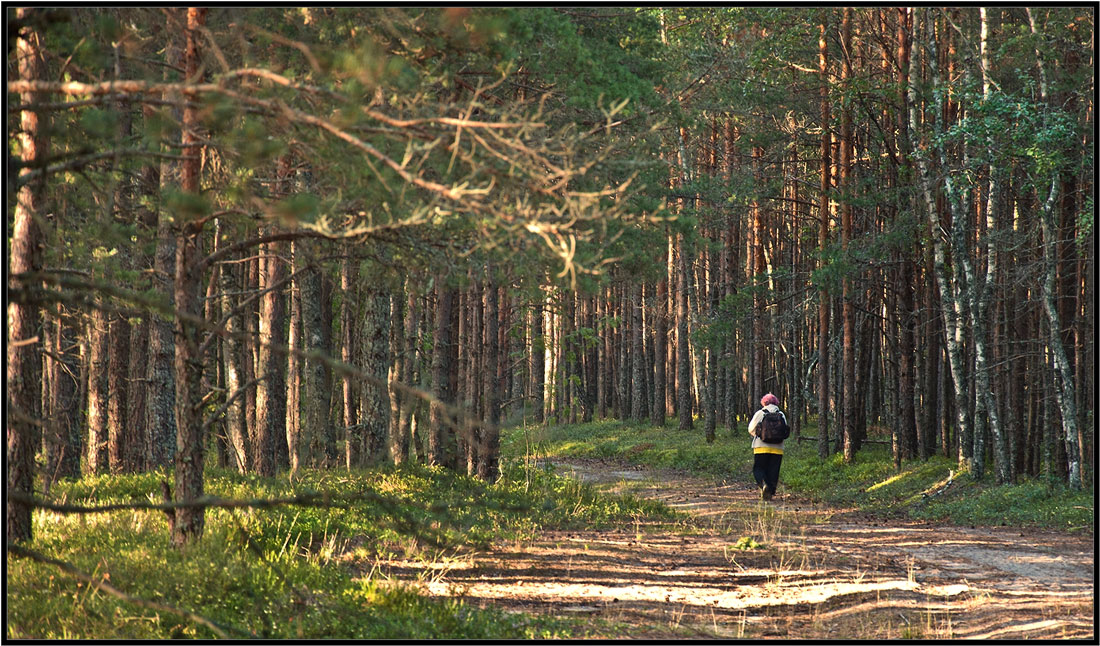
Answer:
(771, 474)
(760, 469)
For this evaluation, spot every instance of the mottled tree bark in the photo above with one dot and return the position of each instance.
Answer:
(848, 351)
(488, 462)
(314, 397)
(823, 411)
(271, 389)
(638, 409)
(23, 342)
(189, 522)
(538, 362)
(683, 353)
(660, 352)
(299, 452)
(442, 448)
(236, 428)
(349, 272)
(374, 398)
(62, 439)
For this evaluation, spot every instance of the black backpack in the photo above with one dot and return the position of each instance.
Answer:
(773, 429)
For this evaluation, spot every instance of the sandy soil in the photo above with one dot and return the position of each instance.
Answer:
(820, 572)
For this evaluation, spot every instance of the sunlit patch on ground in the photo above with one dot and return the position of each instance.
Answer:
(817, 573)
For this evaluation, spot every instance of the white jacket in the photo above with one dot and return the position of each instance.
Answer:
(757, 443)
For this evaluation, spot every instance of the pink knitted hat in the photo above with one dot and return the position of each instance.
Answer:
(769, 399)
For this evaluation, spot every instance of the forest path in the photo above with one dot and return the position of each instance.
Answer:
(822, 572)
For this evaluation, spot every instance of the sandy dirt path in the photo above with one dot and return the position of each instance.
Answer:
(819, 573)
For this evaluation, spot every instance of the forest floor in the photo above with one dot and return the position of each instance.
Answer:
(819, 572)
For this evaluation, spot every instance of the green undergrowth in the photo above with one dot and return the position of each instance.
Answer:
(293, 572)
(871, 483)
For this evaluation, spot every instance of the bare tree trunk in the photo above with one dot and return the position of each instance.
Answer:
(637, 355)
(710, 400)
(270, 390)
(97, 393)
(823, 241)
(951, 306)
(408, 371)
(160, 385)
(374, 397)
(62, 440)
(352, 438)
(118, 366)
(660, 353)
(299, 451)
(22, 387)
(119, 428)
(683, 352)
(538, 361)
(236, 428)
(848, 359)
(189, 522)
(488, 464)
(314, 396)
(442, 448)
(1065, 388)
(981, 302)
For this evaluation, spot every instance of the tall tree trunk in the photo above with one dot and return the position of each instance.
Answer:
(982, 301)
(314, 395)
(98, 393)
(951, 306)
(710, 400)
(62, 440)
(683, 353)
(236, 428)
(160, 398)
(637, 356)
(119, 428)
(488, 464)
(349, 272)
(442, 448)
(823, 363)
(1065, 389)
(403, 432)
(848, 358)
(270, 390)
(538, 361)
(119, 442)
(188, 525)
(299, 452)
(374, 397)
(23, 367)
(660, 353)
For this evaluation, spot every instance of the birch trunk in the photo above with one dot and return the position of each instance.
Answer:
(1065, 388)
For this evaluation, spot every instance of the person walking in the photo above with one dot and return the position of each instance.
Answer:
(767, 456)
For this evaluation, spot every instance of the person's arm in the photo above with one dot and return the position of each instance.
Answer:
(755, 421)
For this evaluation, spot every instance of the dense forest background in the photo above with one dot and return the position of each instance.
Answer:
(288, 238)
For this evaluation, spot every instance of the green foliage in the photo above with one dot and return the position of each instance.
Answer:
(313, 580)
(746, 543)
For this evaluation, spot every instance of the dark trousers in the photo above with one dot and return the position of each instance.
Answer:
(765, 468)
